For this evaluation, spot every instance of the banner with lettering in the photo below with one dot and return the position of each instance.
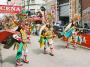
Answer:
(10, 9)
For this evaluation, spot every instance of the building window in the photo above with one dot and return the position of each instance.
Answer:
(32, 1)
(63, 1)
(27, 2)
(32, 11)
(9, 0)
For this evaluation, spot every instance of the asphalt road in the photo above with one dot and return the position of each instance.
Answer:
(64, 57)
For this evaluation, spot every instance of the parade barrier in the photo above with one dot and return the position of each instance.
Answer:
(87, 37)
(84, 33)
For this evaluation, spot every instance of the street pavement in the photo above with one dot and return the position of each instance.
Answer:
(0, 57)
(64, 57)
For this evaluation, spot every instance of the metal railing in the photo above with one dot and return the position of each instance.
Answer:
(84, 30)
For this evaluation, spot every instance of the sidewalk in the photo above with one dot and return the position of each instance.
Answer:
(0, 57)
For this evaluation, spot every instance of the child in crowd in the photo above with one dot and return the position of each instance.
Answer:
(47, 40)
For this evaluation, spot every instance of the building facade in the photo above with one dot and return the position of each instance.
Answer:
(86, 11)
(51, 10)
(4, 2)
(14, 2)
(75, 9)
(63, 10)
(33, 5)
(68, 9)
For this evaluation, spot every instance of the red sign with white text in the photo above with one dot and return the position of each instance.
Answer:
(10, 9)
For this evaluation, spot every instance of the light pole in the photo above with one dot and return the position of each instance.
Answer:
(28, 4)
(81, 10)
(56, 10)
(23, 4)
(7, 2)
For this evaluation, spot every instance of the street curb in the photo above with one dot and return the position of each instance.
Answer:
(84, 47)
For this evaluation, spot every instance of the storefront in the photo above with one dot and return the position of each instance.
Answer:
(63, 10)
(68, 9)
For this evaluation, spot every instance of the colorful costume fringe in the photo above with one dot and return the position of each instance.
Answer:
(19, 51)
(69, 32)
(41, 41)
